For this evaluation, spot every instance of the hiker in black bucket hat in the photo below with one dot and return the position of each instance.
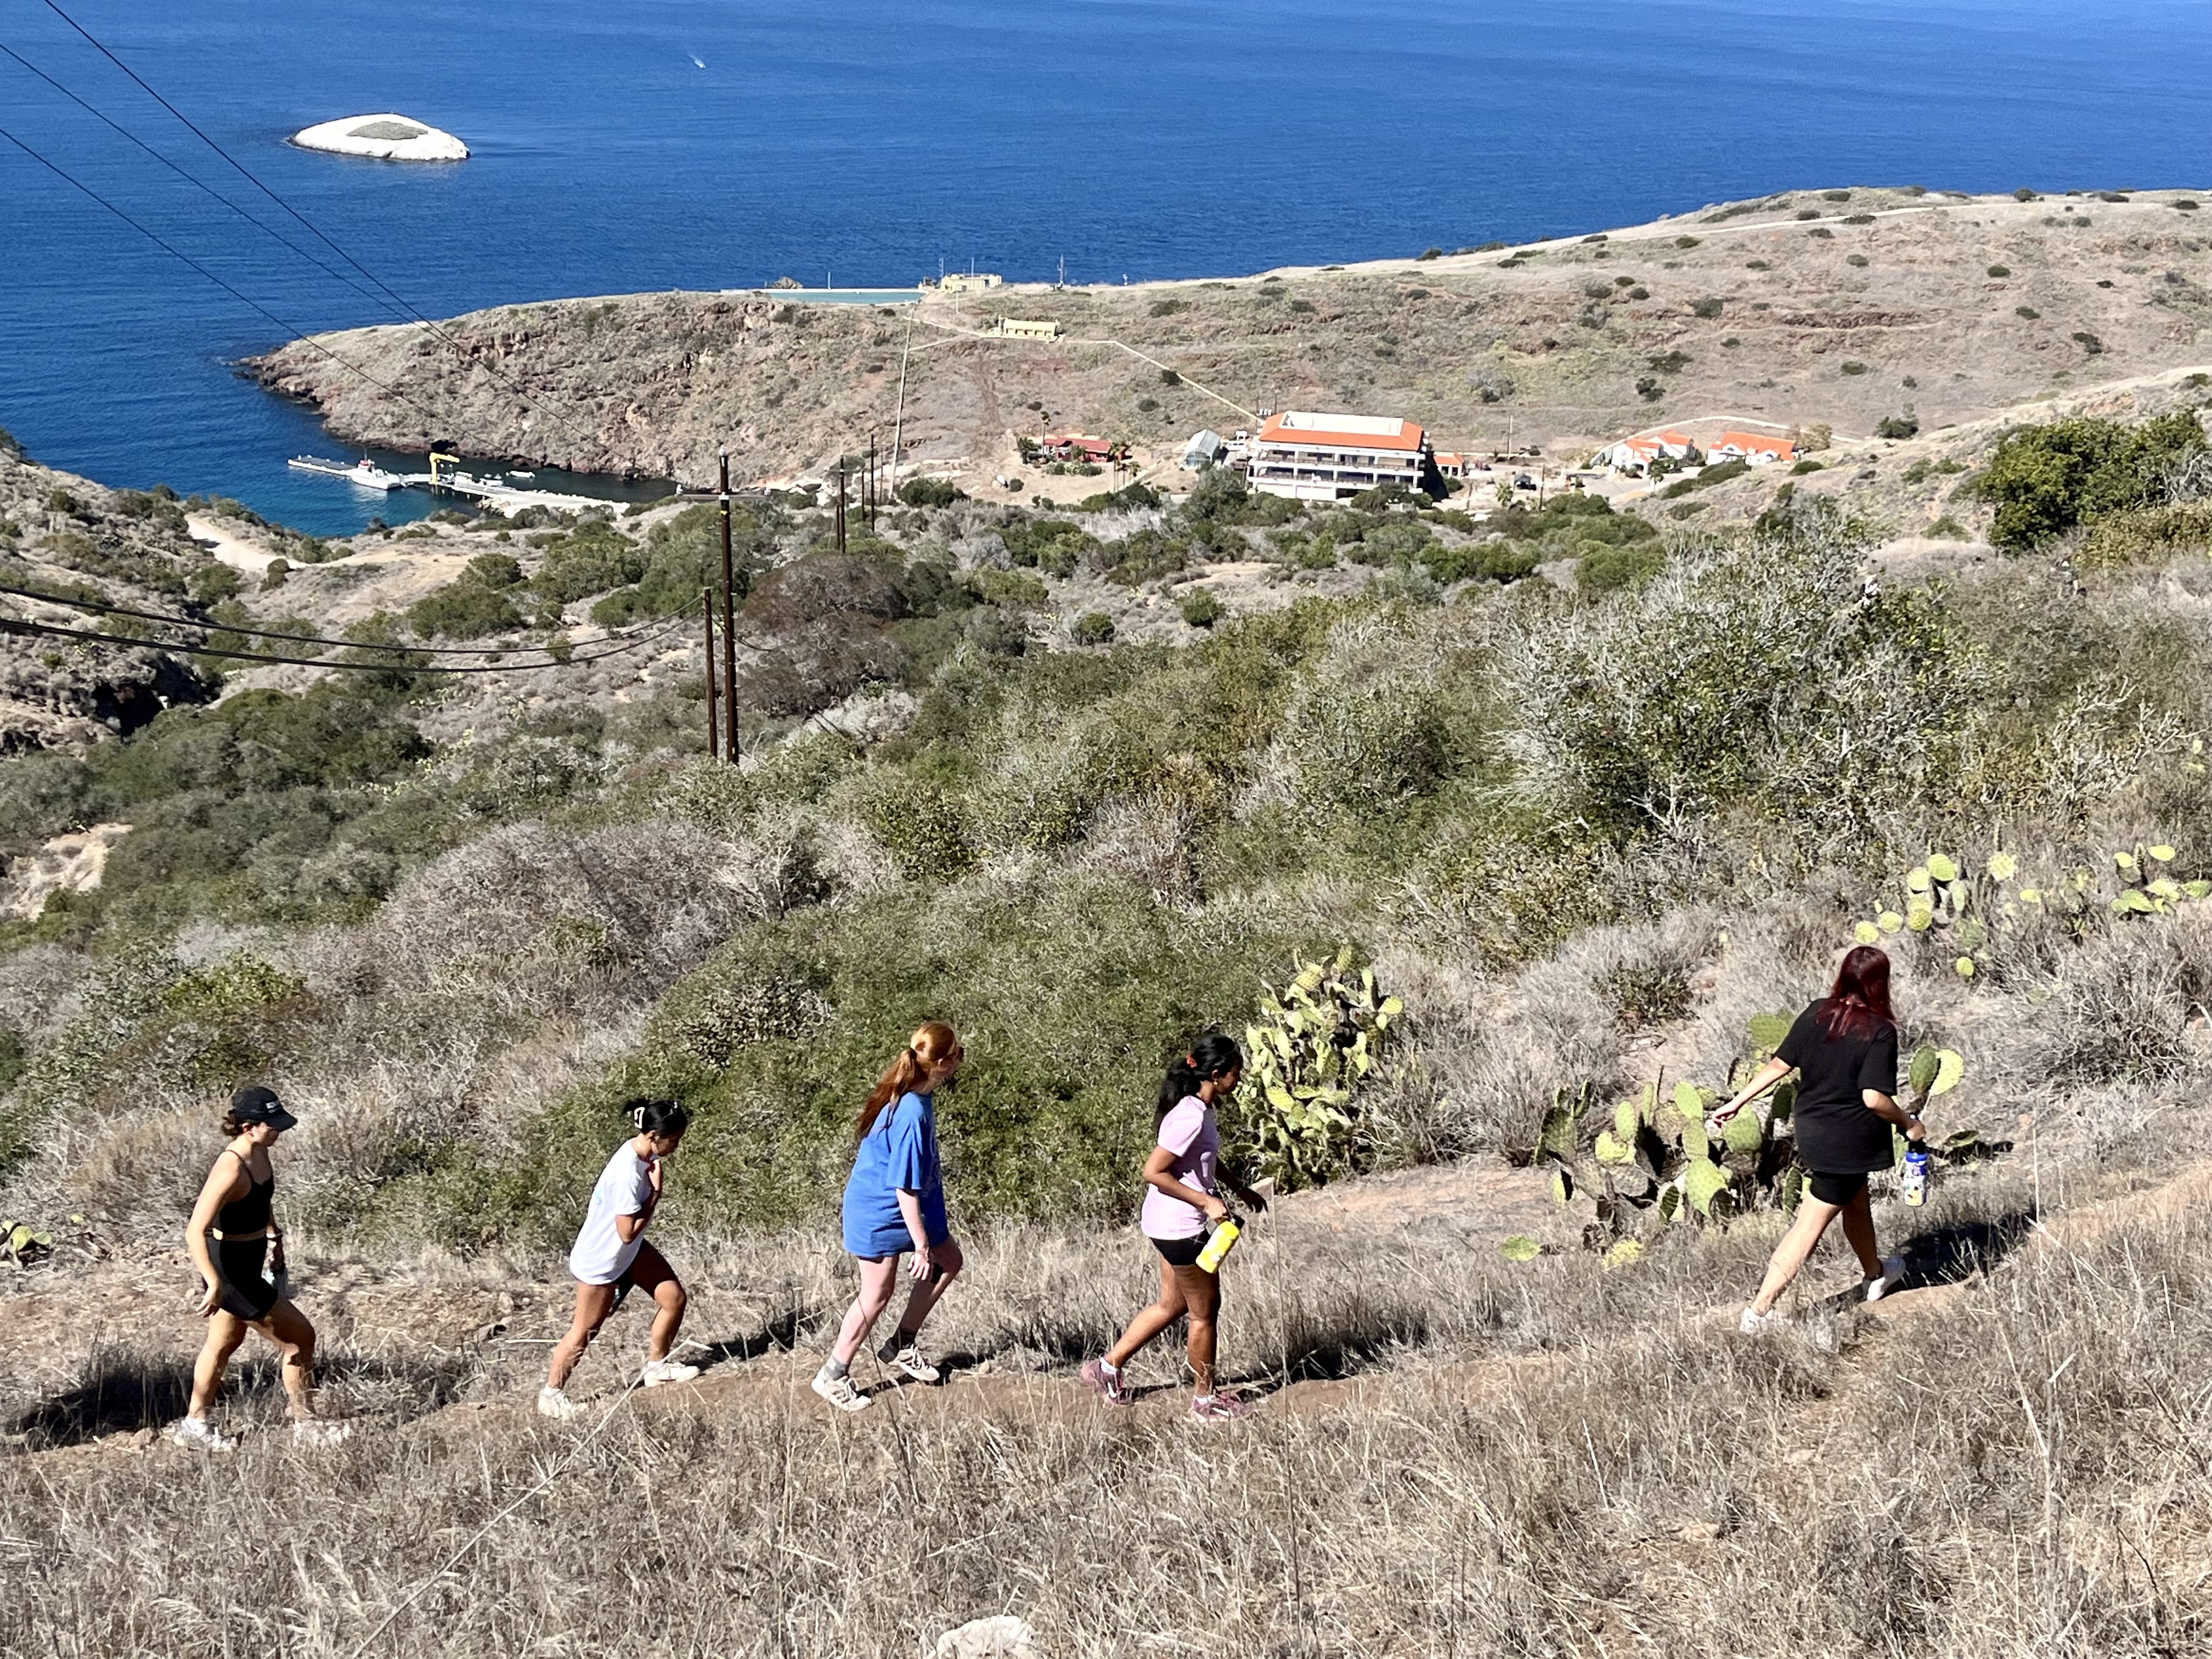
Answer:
(238, 1249)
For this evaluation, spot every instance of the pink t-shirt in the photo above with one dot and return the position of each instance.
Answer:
(1189, 1133)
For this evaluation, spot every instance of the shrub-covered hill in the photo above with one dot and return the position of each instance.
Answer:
(1565, 821)
(1837, 308)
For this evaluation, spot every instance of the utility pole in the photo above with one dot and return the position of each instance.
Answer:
(713, 734)
(841, 504)
(729, 623)
(870, 495)
(898, 421)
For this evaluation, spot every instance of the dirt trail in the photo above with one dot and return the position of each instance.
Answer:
(756, 1373)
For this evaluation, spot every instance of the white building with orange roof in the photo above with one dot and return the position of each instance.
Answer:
(1758, 449)
(1324, 457)
(1634, 456)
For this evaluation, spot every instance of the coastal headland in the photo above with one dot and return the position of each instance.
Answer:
(1838, 307)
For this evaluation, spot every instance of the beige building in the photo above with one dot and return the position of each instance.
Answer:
(968, 281)
(1321, 458)
(1021, 328)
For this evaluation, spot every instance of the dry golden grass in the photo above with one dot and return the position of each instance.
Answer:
(1482, 1459)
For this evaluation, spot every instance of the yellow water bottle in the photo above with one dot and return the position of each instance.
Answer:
(1218, 1247)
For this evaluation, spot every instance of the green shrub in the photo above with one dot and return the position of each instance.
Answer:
(1167, 308)
(463, 610)
(494, 570)
(1608, 569)
(1092, 627)
(1898, 426)
(930, 492)
(2044, 480)
(1201, 609)
(591, 559)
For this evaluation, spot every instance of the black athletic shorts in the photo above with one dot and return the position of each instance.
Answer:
(249, 1292)
(1180, 1252)
(1836, 1189)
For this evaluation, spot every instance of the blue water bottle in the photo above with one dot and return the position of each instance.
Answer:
(1912, 1185)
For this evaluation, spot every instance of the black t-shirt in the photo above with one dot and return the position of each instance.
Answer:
(1836, 1132)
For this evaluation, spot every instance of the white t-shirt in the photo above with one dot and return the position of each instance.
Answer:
(600, 1256)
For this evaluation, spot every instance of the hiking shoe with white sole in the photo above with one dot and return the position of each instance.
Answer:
(1892, 1275)
(552, 1403)
(1219, 1407)
(907, 1357)
(1109, 1385)
(1754, 1323)
(320, 1432)
(839, 1392)
(198, 1434)
(661, 1372)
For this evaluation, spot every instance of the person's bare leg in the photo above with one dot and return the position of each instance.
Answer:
(877, 1280)
(924, 1297)
(1150, 1321)
(1858, 1229)
(225, 1332)
(288, 1327)
(1790, 1255)
(651, 1273)
(593, 1304)
(1203, 1291)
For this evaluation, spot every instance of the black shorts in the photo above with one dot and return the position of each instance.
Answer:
(1836, 1189)
(249, 1291)
(1180, 1252)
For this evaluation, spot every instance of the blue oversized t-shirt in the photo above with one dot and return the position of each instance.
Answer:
(900, 1151)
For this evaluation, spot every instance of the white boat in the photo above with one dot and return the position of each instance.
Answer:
(363, 474)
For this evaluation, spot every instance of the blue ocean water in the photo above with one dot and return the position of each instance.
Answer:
(633, 145)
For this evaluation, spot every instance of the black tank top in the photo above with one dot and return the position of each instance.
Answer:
(249, 1215)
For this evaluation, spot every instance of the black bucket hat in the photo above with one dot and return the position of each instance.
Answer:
(255, 1104)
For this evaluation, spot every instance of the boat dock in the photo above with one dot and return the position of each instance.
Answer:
(509, 498)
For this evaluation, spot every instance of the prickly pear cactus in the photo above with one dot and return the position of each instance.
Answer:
(1662, 1155)
(1306, 1058)
(1968, 910)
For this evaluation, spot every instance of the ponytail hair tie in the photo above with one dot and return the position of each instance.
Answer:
(637, 1117)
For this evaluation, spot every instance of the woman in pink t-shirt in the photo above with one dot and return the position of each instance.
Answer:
(1181, 1178)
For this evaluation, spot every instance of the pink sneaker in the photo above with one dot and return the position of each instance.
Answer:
(1219, 1407)
(1109, 1383)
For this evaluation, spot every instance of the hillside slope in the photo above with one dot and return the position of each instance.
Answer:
(1811, 308)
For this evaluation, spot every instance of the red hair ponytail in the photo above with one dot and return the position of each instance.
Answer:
(929, 1047)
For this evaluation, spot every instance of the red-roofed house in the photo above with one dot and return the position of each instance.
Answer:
(1321, 458)
(1633, 455)
(1751, 447)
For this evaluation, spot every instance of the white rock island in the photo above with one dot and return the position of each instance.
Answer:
(385, 138)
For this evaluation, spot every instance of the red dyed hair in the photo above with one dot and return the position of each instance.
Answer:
(1858, 1003)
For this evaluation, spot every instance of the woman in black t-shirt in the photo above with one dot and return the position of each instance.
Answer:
(1843, 1048)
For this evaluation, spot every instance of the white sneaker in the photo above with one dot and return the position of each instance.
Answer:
(907, 1358)
(320, 1432)
(661, 1372)
(1754, 1323)
(198, 1434)
(1892, 1275)
(839, 1392)
(552, 1403)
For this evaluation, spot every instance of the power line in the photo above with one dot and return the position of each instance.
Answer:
(193, 179)
(173, 620)
(170, 249)
(240, 167)
(17, 625)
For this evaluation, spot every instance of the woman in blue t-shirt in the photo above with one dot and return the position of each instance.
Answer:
(894, 1203)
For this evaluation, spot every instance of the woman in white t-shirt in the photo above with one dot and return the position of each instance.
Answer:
(1181, 1180)
(611, 1257)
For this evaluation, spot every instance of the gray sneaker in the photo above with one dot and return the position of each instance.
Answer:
(198, 1434)
(320, 1432)
(907, 1357)
(839, 1392)
(553, 1403)
(1892, 1276)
